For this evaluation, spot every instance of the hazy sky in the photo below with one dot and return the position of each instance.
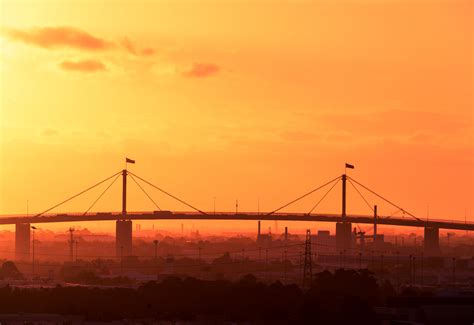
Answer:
(238, 99)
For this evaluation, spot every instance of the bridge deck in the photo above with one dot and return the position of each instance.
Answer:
(166, 215)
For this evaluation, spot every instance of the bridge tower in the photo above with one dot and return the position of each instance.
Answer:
(343, 228)
(431, 241)
(22, 241)
(123, 226)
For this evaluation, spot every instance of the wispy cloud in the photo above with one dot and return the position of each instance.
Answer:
(131, 48)
(201, 70)
(57, 37)
(83, 66)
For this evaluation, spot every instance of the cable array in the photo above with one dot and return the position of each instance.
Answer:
(76, 195)
(102, 194)
(169, 194)
(386, 200)
(303, 196)
(143, 190)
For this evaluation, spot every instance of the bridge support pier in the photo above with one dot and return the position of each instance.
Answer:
(22, 241)
(123, 238)
(343, 236)
(431, 241)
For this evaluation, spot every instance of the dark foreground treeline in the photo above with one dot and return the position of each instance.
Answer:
(345, 296)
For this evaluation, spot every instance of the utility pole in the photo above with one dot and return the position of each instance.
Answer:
(33, 251)
(71, 244)
(308, 265)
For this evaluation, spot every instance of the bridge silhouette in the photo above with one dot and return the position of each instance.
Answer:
(344, 235)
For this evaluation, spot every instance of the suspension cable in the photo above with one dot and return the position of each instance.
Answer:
(363, 198)
(393, 213)
(74, 196)
(303, 196)
(143, 190)
(102, 194)
(170, 195)
(381, 197)
(309, 213)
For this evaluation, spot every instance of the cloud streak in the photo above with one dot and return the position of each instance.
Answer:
(83, 66)
(201, 70)
(131, 48)
(57, 37)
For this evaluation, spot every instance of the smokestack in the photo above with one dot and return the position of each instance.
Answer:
(286, 233)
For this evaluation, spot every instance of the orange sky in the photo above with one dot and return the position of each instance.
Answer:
(238, 99)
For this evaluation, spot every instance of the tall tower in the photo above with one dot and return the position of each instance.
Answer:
(123, 226)
(308, 265)
(22, 241)
(343, 228)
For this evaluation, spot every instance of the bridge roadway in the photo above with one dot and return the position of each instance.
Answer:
(167, 215)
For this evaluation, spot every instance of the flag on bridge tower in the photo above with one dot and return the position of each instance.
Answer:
(129, 161)
(349, 166)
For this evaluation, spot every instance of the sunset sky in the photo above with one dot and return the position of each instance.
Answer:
(248, 100)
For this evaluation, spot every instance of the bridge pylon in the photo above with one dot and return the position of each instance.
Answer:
(22, 241)
(123, 226)
(343, 228)
(431, 241)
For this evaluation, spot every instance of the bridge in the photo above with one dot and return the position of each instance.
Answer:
(344, 235)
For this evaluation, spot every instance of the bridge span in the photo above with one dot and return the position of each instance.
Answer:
(243, 216)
